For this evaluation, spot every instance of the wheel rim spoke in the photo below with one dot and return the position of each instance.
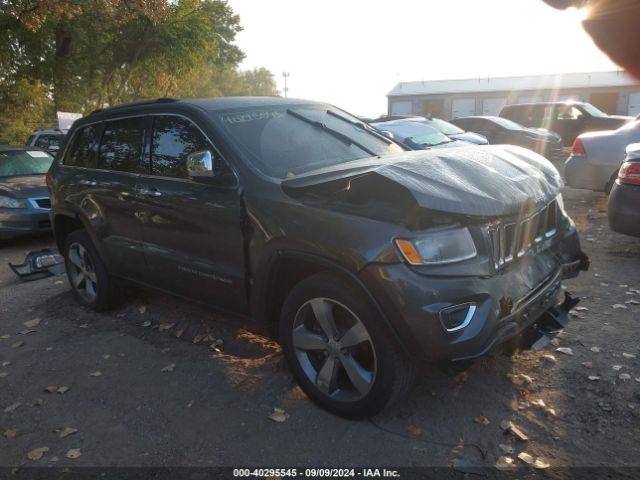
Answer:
(304, 339)
(75, 258)
(81, 272)
(327, 375)
(78, 278)
(91, 275)
(354, 336)
(90, 289)
(323, 312)
(360, 378)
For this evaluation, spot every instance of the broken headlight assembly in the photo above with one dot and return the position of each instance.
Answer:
(8, 202)
(439, 247)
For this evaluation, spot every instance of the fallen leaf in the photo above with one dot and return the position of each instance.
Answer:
(461, 377)
(4, 374)
(555, 342)
(168, 368)
(616, 368)
(51, 389)
(624, 377)
(62, 390)
(506, 448)
(37, 453)
(619, 306)
(505, 463)
(165, 326)
(549, 358)
(106, 356)
(538, 403)
(508, 426)
(540, 464)
(6, 363)
(587, 364)
(526, 458)
(565, 350)
(413, 430)
(595, 349)
(38, 403)
(12, 407)
(32, 323)
(629, 355)
(179, 333)
(190, 404)
(17, 344)
(594, 378)
(95, 374)
(602, 284)
(66, 431)
(482, 420)
(198, 338)
(73, 453)
(581, 309)
(142, 309)
(10, 433)
(27, 332)
(632, 302)
(279, 415)
(146, 324)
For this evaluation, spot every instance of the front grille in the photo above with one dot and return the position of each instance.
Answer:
(43, 202)
(512, 240)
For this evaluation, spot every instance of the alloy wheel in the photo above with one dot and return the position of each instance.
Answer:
(334, 349)
(82, 273)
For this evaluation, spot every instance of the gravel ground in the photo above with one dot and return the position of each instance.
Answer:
(146, 389)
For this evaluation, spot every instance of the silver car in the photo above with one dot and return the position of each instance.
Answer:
(596, 157)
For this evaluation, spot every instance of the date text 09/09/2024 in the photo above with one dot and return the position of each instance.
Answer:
(316, 472)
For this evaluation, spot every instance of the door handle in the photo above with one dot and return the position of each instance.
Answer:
(150, 192)
(88, 183)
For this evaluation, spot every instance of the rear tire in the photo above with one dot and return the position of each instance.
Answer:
(357, 371)
(92, 286)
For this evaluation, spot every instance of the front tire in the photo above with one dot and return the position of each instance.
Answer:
(92, 286)
(341, 354)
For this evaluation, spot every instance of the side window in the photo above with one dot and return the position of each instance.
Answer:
(84, 148)
(569, 113)
(30, 139)
(48, 141)
(121, 146)
(173, 139)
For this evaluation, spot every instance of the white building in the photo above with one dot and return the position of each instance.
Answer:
(613, 92)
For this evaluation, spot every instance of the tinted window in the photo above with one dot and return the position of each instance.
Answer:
(47, 141)
(83, 151)
(121, 146)
(173, 139)
(285, 141)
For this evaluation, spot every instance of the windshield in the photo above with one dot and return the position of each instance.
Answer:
(284, 141)
(13, 164)
(49, 141)
(444, 127)
(593, 111)
(414, 133)
(508, 124)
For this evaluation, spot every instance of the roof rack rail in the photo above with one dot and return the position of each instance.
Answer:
(143, 102)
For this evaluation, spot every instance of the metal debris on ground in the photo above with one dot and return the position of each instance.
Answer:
(39, 264)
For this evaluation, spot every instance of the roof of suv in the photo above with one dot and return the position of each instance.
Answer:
(49, 131)
(520, 105)
(209, 104)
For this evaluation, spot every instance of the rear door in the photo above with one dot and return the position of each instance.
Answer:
(111, 206)
(192, 231)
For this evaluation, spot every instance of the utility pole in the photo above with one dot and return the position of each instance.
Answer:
(286, 88)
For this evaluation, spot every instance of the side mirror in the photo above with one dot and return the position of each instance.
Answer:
(204, 167)
(388, 134)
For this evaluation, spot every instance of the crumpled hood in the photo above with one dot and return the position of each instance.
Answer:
(488, 181)
(26, 186)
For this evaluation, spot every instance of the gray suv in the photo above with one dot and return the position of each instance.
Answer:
(363, 258)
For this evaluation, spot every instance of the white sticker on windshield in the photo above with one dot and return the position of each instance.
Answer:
(38, 154)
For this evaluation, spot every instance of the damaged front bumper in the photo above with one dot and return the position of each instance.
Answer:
(526, 304)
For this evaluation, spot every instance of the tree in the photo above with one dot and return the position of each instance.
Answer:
(23, 108)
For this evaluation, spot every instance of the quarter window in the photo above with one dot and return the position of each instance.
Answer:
(83, 151)
(173, 139)
(121, 146)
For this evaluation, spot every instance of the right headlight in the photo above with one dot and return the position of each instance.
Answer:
(8, 202)
(438, 247)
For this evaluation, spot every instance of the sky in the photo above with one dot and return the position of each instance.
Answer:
(351, 53)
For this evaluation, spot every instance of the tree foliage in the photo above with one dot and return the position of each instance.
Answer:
(79, 55)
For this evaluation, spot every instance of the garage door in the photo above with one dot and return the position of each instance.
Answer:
(634, 103)
(401, 108)
(463, 107)
(493, 106)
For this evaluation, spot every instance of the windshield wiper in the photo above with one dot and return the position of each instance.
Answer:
(340, 136)
(362, 127)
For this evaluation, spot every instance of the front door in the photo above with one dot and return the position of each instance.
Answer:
(192, 231)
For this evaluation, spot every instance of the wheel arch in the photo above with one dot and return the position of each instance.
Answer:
(63, 225)
(286, 269)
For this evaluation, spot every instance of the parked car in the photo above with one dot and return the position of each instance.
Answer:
(624, 201)
(48, 139)
(596, 157)
(362, 257)
(450, 130)
(416, 135)
(568, 119)
(500, 130)
(24, 197)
